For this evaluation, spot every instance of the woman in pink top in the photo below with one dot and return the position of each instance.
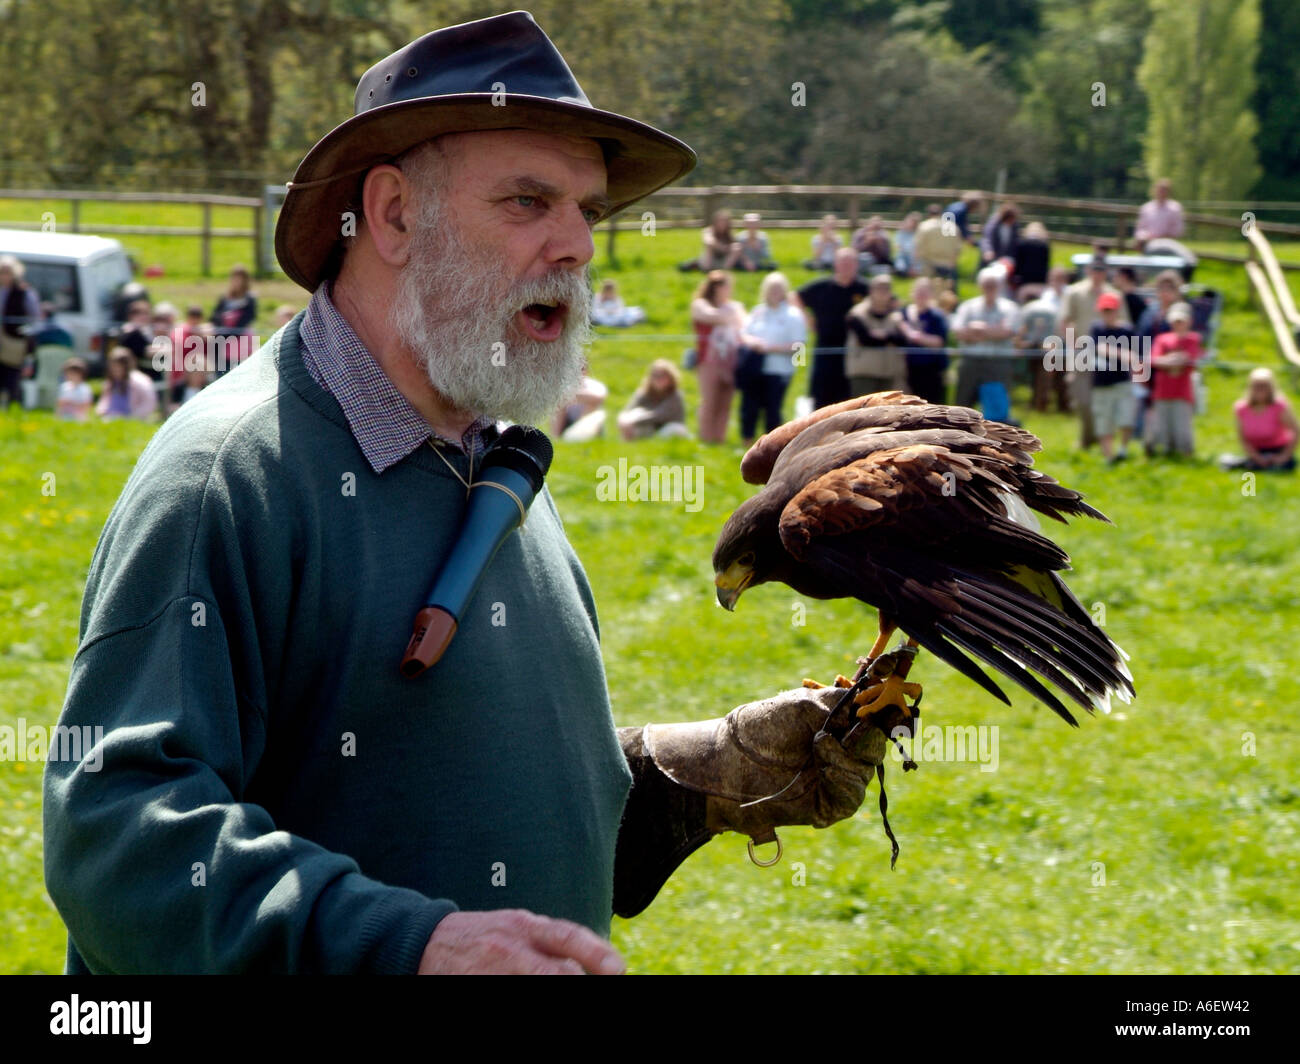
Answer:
(1266, 424)
(127, 391)
(717, 319)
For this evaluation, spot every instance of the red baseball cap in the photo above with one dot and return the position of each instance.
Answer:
(1108, 301)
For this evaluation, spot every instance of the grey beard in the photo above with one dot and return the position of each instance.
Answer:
(450, 309)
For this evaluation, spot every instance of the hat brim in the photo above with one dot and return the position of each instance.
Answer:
(644, 160)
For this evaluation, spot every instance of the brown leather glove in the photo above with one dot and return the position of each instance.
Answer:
(773, 750)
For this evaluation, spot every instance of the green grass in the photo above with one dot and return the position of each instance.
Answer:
(1198, 580)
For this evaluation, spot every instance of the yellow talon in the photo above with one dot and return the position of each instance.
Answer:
(892, 692)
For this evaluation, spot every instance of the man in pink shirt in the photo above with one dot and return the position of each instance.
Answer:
(1160, 216)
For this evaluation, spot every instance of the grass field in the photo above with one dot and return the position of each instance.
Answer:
(1163, 838)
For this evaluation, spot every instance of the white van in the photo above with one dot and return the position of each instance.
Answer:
(80, 276)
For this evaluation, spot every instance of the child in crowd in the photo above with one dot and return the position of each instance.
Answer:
(75, 397)
(608, 308)
(127, 391)
(1173, 356)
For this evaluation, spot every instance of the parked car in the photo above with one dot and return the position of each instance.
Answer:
(82, 277)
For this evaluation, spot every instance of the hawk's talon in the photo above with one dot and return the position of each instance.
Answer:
(893, 691)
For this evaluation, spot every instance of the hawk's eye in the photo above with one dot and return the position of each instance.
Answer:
(747, 559)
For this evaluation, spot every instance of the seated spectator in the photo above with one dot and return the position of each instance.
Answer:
(582, 418)
(1173, 356)
(1031, 261)
(195, 381)
(938, 246)
(985, 327)
(905, 245)
(657, 407)
(825, 242)
(609, 309)
(1266, 426)
(871, 242)
(75, 397)
(49, 333)
(1159, 228)
(1000, 236)
(874, 359)
(284, 314)
(721, 250)
(776, 329)
(926, 329)
(1114, 345)
(755, 248)
(127, 391)
(137, 336)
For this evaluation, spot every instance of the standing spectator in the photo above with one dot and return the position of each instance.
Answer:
(938, 246)
(777, 329)
(1029, 268)
(137, 336)
(49, 333)
(825, 243)
(875, 360)
(872, 244)
(74, 397)
(188, 355)
(905, 245)
(1058, 281)
(235, 313)
(1153, 322)
(721, 250)
(1266, 425)
(127, 391)
(657, 407)
(1038, 320)
(755, 248)
(830, 300)
(717, 320)
(1112, 384)
(1001, 235)
(985, 327)
(926, 328)
(1076, 317)
(959, 212)
(1134, 301)
(1173, 356)
(20, 308)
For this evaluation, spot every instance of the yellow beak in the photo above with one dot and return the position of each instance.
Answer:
(731, 583)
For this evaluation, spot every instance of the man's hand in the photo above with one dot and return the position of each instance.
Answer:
(516, 942)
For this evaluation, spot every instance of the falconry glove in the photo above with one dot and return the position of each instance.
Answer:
(770, 763)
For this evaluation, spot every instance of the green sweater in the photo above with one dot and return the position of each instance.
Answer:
(272, 794)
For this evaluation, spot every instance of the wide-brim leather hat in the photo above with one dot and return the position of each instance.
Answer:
(496, 73)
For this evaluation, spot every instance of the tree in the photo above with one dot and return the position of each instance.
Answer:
(1275, 101)
(1198, 74)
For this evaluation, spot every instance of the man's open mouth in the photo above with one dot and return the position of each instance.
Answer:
(543, 321)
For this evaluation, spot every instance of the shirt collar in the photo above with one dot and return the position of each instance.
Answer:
(386, 426)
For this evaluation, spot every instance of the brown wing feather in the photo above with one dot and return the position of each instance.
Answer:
(757, 464)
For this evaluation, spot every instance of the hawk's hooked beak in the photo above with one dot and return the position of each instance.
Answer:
(731, 583)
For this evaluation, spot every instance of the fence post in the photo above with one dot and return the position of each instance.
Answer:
(853, 213)
(1121, 232)
(205, 241)
(609, 242)
(260, 266)
(76, 215)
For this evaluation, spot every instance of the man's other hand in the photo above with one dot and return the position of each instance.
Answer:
(516, 942)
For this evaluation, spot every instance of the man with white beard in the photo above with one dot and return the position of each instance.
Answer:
(272, 793)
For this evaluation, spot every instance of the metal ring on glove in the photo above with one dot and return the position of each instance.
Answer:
(766, 864)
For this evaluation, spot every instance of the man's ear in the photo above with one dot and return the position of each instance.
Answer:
(386, 201)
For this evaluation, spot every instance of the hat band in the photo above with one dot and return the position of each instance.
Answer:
(295, 185)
